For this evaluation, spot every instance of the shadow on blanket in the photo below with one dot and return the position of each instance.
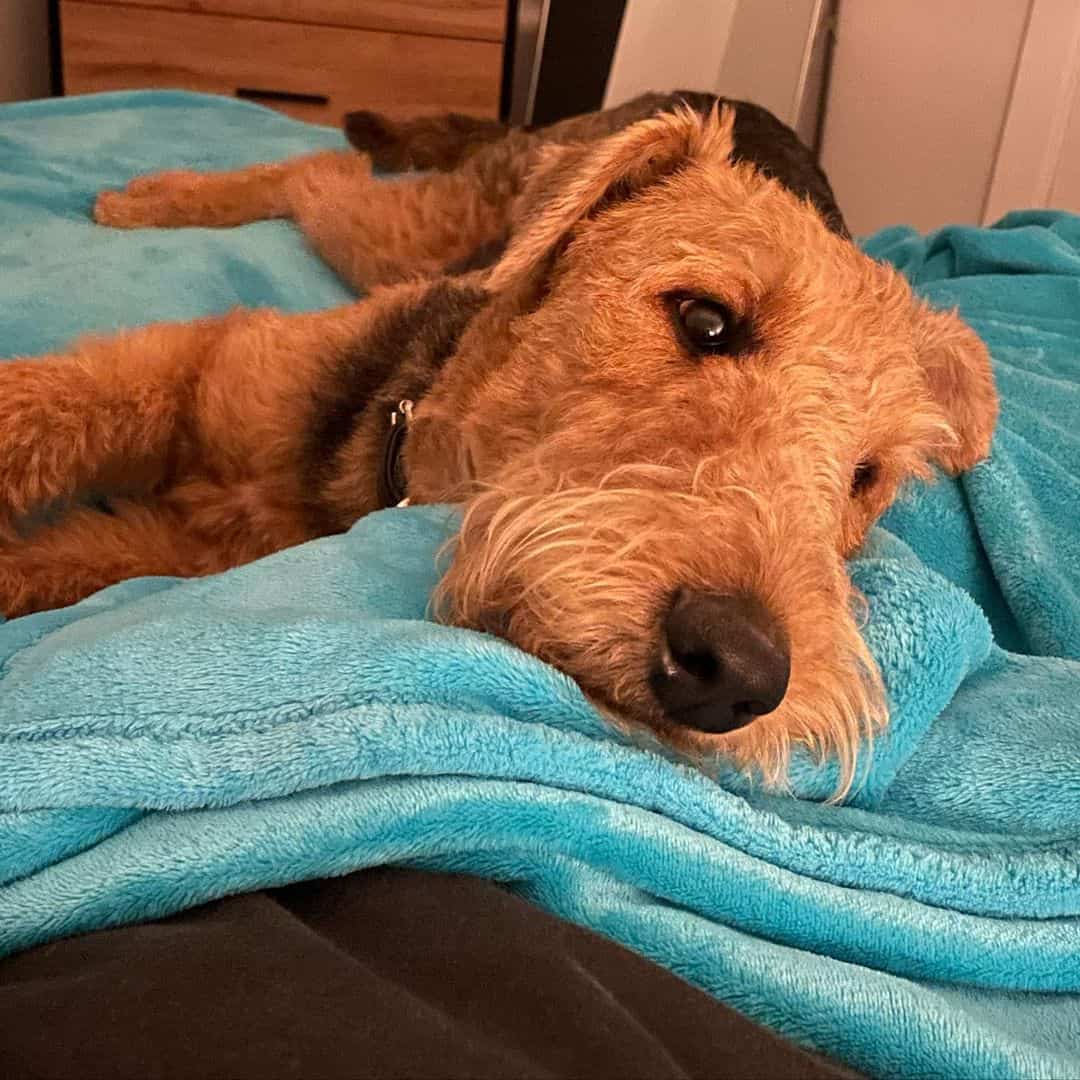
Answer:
(165, 743)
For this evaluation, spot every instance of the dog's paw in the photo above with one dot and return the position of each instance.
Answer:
(147, 201)
(118, 210)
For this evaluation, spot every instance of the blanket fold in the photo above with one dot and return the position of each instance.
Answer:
(165, 742)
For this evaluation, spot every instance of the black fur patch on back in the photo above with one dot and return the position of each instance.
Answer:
(773, 148)
(399, 357)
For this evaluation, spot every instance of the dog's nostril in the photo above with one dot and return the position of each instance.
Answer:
(702, 665)
(724, 660)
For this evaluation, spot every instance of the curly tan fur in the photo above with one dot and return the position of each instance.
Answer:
(601, 467)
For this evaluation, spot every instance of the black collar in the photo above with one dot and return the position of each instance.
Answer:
(392, 481)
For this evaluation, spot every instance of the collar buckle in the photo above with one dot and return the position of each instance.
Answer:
(392, 482)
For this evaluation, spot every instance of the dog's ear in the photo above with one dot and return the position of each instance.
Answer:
(571, 183)
(957, 369)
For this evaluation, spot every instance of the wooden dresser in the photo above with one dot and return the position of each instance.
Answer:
(314, 59)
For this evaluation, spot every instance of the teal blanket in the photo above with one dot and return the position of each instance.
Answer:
(165, 742)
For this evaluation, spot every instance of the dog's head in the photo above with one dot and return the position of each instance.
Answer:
(685, 406)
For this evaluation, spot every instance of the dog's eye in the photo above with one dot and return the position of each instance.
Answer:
(864, 477)
(708, 326)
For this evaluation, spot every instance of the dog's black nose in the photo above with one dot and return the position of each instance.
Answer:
(723, 661)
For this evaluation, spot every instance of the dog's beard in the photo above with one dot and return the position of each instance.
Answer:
(580, 576)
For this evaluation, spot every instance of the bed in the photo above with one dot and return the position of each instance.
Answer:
(177, 753)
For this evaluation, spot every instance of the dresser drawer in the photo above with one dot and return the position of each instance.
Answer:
(481, 19)
(313, 72)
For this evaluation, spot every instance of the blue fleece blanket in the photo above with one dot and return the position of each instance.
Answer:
(165, 743)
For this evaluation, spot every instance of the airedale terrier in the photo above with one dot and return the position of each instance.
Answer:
(673, 403)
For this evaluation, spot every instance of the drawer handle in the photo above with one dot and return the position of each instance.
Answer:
(250, 93)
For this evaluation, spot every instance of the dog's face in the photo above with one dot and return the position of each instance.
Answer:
(684, 410)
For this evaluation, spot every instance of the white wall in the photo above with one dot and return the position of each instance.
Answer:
(758, 50)
(24, 50)
(767, 54)
(917, 103)
(669, 45)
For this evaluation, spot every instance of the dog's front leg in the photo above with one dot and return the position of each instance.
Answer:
(183, 198)
(179, 197)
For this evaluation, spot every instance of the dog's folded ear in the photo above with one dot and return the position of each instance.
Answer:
(956, 365)
(571, 183)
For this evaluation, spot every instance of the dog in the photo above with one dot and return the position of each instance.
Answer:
(639, 348)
